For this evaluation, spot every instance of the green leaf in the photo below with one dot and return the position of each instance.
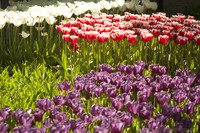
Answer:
(192, 65)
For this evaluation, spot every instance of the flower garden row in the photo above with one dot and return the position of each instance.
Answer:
(115, 100)
(133, 37)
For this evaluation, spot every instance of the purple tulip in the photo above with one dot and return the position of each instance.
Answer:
(79, 86)
(20, 129)
(3, 127)
(124, 98)
(154, 68)
(161, 118)
(25, 119)
(129, 69)
(179, 95)
(155, 86)
(105, 122)
(59, 116)
(137, 69)
(29, 130)
(147, 89)
(142, 64)
(194, 97)
(121, 67)
(148, 79)
(190, 108)
(44, 104)
(163, 129)
(125, 87)
(5, 112)
(89, 88)
(152, 124)
(145, 110)
(116, 103)
(183, 87)
(99, 129)
(87, 118)
(165, 78)
(47, 122)
(77, 106)
(18, 113)
(167, 110)
(141, 96)
(109, 112)
(116, 126)
(38, 114)
(111, 92)
(177, 113)
(138, 85)
(128, 78)
(190, 79)
(59, 100)
(73, 93)
(96, 110)
(83, 130)
(132, 107)
(59, 128)
(117, 81)
(162, 70)
(145, 130)
(183, 125)
(55, 109)
(127, 118)
(65, 86)
(97, 91)
(182, 73)
(77, 124)
(162, 97)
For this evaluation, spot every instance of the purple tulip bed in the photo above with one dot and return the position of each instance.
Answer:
(128, 98)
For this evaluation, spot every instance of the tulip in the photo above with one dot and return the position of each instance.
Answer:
(38, 114)
(141, 96)
(116, 126)
(197, 39)
(5, 112)
(190, 108)
(116, 103)
(96, 110)
(167, 110)
(59, 116)
(179, 95)
(64, 30)
(162, 97)
(152, 124)
(163, 129)
(77, 124)
(163, 39)
(161, 118)
(127, 118)
(65, 86)
(44, 104)
(73, 93)
(111, 92)
(66, 38)
(3, 127)
(109, 111)
(133, 107)
(47, 122)
(145, 37)
(99, 129)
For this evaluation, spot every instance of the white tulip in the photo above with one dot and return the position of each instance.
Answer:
(2, 22)
(140, 8)
(30, 21)
(24, 34)
(39, 19)
(130, 5)
(44, 34)
(68, 14)
(120, 2)
(17, 23)
(95, 9)
(2, 14)
(154, 6)
(113, 4)
(105, 4)
(148, 5)
(50, 20)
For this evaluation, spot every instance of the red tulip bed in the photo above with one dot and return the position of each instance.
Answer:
(120, 99)
(173, 42)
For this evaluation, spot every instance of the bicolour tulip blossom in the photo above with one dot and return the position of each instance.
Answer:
(163, 39)
(132, 38)
(145, 37)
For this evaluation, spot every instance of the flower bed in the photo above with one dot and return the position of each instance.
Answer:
(116, 100)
